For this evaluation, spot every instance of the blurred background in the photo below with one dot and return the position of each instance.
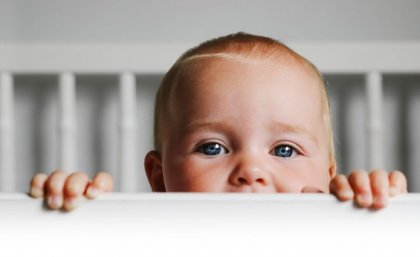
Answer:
(191, 21)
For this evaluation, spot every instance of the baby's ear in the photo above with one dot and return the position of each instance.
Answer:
(332, 169)
(153, 167)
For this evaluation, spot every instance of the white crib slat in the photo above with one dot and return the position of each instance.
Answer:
(67, 122)
(374, 125)
(7, 149)
(128, 150)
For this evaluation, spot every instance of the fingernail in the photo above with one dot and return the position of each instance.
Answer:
(393, 191)
(380, 201)
(93, 192)
(348, 194)
(55, 201)
(364, 199)
(71, 203)
(37, 192)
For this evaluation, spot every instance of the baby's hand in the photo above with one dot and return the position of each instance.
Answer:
(65, 190)
(369, 189)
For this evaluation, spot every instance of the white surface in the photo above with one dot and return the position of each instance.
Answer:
(188, 224)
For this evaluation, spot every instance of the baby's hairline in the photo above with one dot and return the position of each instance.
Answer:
(187, 64)
(224, 56)
(244, 48)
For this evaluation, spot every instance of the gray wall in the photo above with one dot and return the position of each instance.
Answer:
(190, 20)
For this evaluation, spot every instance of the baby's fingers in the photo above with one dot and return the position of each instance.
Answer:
(54, 188)
(340, 187)
(397, 183)
(74, 188)
(37, 185)
(102, 182)
(380, 185)
(359, 181)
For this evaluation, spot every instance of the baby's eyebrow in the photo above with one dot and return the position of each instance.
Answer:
(288, 128)
(196, 125)
(275, 127)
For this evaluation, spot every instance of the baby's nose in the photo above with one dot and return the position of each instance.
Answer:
(251, 173)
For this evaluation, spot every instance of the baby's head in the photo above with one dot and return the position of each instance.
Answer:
(241, 113)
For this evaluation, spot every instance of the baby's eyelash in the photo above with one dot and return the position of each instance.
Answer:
(212, 149)
(285, 151)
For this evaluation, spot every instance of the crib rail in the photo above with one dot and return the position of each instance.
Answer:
(153, 224)
(67, 61)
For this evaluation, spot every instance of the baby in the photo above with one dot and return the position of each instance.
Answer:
(240, 113)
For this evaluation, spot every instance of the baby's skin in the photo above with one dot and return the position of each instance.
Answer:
(240, 113)
(235, 127)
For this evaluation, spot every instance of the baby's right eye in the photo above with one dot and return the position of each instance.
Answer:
(212, 149)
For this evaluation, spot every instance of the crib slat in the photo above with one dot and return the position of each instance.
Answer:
(67, 122)
(7, 147)
(374, 93)
(127, 134)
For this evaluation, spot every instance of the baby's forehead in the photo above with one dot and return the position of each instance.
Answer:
(193, 70)
(217, 73)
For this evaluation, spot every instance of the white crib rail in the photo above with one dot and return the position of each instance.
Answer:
(7, 146)
(374, 96)
(127, 135)
(188, 224)
(370, 58)
(67, 122)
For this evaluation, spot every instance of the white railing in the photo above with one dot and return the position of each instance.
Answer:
(7, 144)
(194, 224)
(370, 58)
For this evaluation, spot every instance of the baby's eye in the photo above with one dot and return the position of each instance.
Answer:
(212, 149)
(284, 151)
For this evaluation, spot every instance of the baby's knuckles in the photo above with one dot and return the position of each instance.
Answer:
(371, 189)
(341, 188)
(359, 181)
(76, 184)
(37, 185)
(379, 182)
(380, 187)
(55, 182)
(397, 183)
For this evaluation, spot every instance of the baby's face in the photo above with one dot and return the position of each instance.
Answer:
(240, 126)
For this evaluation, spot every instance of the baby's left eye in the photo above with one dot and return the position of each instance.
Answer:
(212, 149)
(284, 151)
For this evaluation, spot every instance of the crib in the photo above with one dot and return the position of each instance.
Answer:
(128, 64)
(195, 224)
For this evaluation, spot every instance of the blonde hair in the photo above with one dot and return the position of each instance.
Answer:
(240, 45)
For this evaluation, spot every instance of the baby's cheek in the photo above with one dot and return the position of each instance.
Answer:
(306, 174)
(177, 176)
(323, 170)
(321, 178)
(207, 175)
(326, 180)
(192, 174)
